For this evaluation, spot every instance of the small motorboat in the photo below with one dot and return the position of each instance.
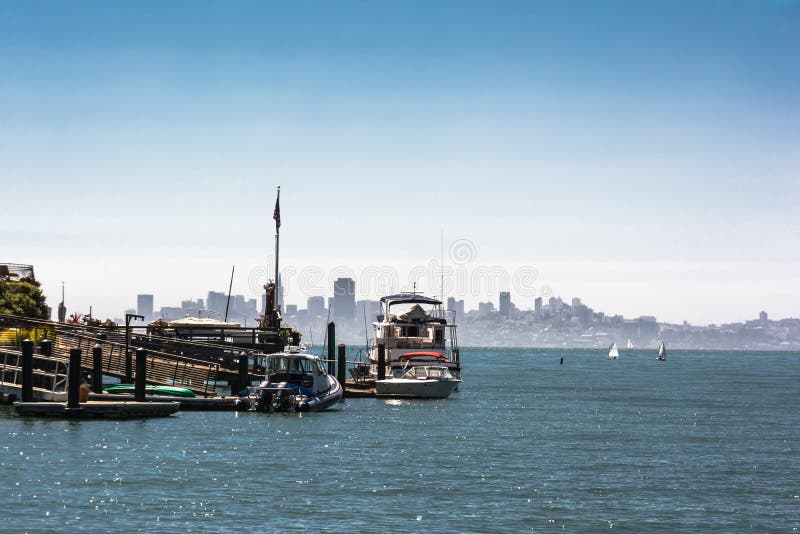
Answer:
(419, 382)
(295, 381)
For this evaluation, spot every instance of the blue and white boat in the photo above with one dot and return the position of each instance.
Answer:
(295, 381)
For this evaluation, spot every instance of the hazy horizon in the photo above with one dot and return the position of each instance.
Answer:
(643, 157)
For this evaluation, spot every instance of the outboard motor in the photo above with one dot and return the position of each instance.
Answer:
(282, 399)
(242, 405)
(264, 400)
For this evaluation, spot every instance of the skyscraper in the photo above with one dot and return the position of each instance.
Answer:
(537, 308)
(144, 306)
(505, 304)
(316, 306)
(344, 299)
(457, 307)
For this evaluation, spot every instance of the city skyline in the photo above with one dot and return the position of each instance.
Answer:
(554, 323)
(640, 155)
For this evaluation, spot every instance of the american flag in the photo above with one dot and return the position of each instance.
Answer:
(277, 214)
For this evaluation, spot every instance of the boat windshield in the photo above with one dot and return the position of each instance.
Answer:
(424, 371)
(281, 363)
(413, 312)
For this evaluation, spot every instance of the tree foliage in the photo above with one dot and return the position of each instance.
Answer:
(23, 297)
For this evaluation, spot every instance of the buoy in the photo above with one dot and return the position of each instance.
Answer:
(562, 360)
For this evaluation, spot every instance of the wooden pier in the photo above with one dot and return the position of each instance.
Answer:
(359, 390)
(209, 404)
(95, 409)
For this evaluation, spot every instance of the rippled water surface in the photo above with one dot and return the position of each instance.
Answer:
(704, 441)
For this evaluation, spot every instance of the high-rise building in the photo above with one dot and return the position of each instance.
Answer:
(505, 304)
(144, 306)
(344, 299)
(537, 308)
(485, 308)
(216, 302)
(457, 307)
(291, 309)
(316, 306)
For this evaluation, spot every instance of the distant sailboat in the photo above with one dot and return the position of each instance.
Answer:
(613, 353)
(662, 352)
(629, 344)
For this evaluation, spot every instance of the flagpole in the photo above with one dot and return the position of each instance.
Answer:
(277, 240)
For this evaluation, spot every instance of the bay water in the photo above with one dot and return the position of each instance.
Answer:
(706, 441)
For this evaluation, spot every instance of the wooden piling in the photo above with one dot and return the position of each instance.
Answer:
(141, 375)
(74, 380)
(97, 369)
(244, 368)
(46, 347)
(27, 371)
(340, 367)
(381, 361)
(331, 345)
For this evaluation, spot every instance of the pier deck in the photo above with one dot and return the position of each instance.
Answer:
(98, 409)
(186, 403)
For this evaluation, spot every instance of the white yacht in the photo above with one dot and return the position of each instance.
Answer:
(419, 382)
(414, 331)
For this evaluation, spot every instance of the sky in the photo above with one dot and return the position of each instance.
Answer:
(643, 156)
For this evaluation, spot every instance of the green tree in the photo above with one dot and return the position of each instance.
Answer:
(23, 297)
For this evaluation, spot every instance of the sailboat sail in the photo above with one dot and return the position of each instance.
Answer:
(630, 344)
(662, 352)
(613, 353)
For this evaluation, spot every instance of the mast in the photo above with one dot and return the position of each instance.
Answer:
(228, 302)
(277, 216)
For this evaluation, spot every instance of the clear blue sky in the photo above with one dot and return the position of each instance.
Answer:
(642, 155)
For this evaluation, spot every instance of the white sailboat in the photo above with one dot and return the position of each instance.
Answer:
(613, 353)
(662, 352)
(629, 345)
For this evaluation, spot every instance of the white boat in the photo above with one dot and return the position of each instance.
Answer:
(413, 330)
(613, 353)
(295, 381)
(662, 352)
(629, 345)
(419, 382)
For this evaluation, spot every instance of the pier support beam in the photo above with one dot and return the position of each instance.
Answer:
(341, 364)
(244, 367)
(47, 347)
(27, 371)
(141, 375)
(331, 345)
(74, 380)
(381, 361)
(97, 369)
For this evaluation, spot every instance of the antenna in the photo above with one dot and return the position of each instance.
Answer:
(441, 296)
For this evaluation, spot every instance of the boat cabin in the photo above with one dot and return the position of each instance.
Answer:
(412, 322)
(295, 366)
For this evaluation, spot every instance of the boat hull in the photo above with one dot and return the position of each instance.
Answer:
(415, 389)
(285, 398)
